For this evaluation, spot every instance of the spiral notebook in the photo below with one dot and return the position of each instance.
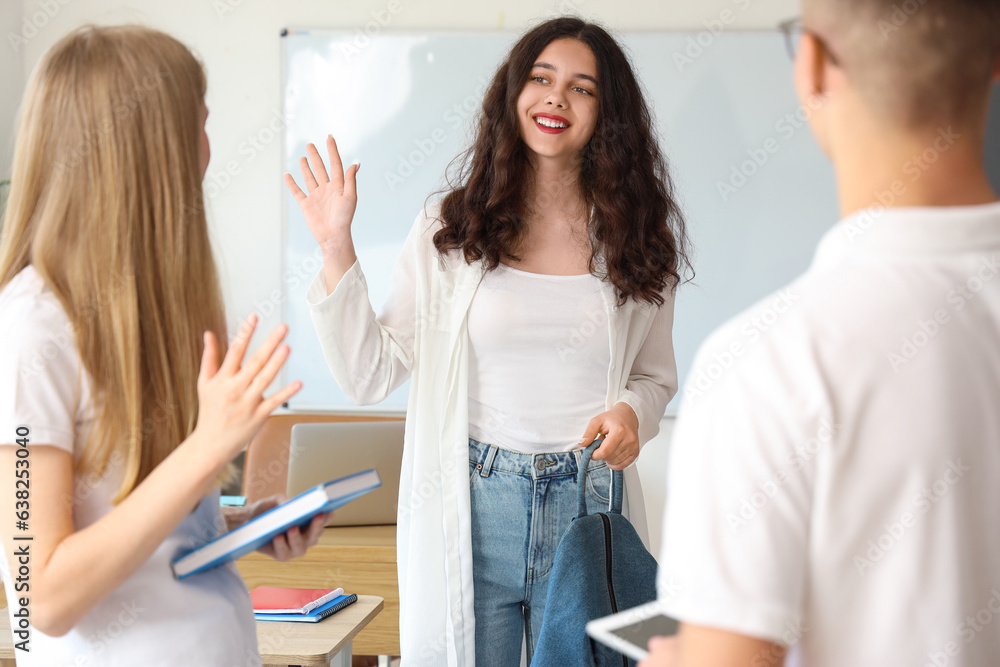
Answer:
(314, 616)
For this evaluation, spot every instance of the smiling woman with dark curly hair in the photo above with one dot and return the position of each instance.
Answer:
(532, 309)
(619, 175)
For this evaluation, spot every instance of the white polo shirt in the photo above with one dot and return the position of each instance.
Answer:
(835, 474)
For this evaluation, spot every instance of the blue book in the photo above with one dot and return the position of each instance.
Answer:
(314, 616)
(257, 532)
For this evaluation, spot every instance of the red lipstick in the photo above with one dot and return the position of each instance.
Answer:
(552, 119)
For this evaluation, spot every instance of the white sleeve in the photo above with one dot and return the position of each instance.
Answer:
(652, 380)
(741, 477)
(40, 371)
(369, 356)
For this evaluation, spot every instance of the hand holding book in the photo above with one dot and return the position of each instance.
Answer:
(293, 543)
(261, 531)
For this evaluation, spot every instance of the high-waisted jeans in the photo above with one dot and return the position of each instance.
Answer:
(521, 506)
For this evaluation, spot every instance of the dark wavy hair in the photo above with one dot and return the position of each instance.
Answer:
(636, 225)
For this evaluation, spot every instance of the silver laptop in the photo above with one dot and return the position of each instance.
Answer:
(321, 452)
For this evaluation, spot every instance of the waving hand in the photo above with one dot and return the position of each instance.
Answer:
(329, 207)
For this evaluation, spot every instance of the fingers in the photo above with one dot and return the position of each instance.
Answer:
(276, 400)
(307, 175)
(314, 172)
(593, 430)
(316, 529)
(614, 451)
(294, 188)
(608, 449)
(318, 168)
(351, 180)
(209, 358)
(279, 545)
(265, 504)
(294, 543)
(619, 451)
(234, 357)
(336, 164)
(262, 355)
(263, 379)
(301, 541)
(261, 369)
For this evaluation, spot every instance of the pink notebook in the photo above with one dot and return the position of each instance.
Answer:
(277, 600)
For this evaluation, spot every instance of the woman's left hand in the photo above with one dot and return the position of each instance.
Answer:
(293, 543)
(620, 428)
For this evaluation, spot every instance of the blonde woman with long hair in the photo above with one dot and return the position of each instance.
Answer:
(120, 406)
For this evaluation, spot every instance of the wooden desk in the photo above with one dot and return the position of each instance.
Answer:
(323, 644)
(360, 559)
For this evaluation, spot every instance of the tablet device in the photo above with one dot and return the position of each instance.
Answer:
(630, 631)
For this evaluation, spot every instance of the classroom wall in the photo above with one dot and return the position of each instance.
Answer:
(11, 81)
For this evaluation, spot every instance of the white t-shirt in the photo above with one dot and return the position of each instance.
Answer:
(835, 474)
(152, 619)
(539, 354)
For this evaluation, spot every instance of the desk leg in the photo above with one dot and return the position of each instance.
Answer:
(342, 659)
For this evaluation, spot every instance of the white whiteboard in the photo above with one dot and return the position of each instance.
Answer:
(403, 104)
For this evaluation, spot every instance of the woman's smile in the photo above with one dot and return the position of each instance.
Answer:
(551, 124)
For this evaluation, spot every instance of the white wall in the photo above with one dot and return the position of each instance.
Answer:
(11, 81)
(652, 467)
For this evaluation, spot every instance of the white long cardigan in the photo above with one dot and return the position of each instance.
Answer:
(421, 335)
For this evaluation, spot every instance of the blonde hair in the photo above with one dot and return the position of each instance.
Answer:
(106, 203)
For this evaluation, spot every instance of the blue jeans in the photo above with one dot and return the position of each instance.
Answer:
(521, 506)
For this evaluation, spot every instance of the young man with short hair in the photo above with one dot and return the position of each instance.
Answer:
(835, 495)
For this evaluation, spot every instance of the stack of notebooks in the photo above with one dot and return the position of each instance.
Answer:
(302, 605)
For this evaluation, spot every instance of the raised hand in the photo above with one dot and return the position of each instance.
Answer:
(231, 403)
(329, 206)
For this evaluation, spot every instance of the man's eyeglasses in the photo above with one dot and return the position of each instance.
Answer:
(793, 31)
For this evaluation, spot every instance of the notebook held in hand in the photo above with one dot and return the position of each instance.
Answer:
(259, 531)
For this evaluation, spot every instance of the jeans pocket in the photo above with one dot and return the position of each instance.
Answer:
(473, 471)
(599, 484)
